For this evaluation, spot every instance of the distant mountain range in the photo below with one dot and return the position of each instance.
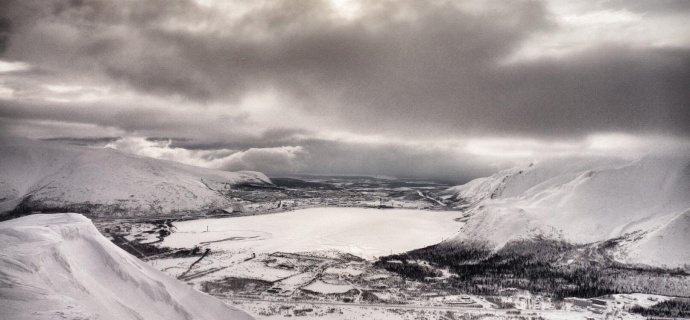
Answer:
(54, 177)
(644, 204)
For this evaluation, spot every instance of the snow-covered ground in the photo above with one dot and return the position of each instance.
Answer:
(585, 201)
(328, 288)
(59, 266)
(108, 182)
(359, 231)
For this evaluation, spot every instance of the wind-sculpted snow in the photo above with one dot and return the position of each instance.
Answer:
(49, 177)
(645, 201)
(59, 267)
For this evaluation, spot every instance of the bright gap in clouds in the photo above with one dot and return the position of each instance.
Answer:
(582, 25)
(346, 9)
(254, 159)
(595, 145)
(13, 66)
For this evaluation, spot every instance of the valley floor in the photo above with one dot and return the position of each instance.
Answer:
(296, 264)
(352, 248)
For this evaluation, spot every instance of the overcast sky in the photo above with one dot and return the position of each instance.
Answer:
(438, 89)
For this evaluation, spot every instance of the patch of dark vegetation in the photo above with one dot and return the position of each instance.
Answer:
(499, 303)
(236, 285)
(542, 266)
(184, 274)
(303, 312)
(414, 184)
(92, 210)
(146, 250)
(370, 297)
(408, 268)
(139, 250)
(255, 186)
(301, 184)
(675, 308)
(184, 253)
(12, 215)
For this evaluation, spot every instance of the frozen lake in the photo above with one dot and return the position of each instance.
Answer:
(359, 231)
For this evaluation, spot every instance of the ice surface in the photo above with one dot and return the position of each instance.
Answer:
(359, 231)
(327, 288)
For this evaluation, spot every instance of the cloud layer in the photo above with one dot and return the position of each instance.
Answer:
(302, 84)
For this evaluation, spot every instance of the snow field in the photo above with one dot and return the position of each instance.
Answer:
(59, 266)
(362, 232)
(585, 201)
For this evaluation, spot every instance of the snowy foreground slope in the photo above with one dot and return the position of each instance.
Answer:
(43, 176)
(59, 266)
(646, 201)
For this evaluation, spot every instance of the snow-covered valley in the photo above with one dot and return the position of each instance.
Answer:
(622, 222)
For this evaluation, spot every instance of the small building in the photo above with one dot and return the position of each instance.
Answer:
(599, 302)
(507, 292)
(235, 208)
(583, 303)
(221, 211)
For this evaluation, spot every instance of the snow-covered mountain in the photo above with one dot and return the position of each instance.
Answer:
(52, 177)
(58, 266)
(646, 201)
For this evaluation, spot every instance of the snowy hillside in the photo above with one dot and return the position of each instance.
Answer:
(42, 176)
(59, 266)
(584, 201)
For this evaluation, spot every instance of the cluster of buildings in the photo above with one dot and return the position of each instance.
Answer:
(599, 306)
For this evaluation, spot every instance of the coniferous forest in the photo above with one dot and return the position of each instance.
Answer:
(675, 308)
(542, 266)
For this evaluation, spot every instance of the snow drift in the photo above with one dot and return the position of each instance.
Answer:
(646, 201)
(59, 266)
(52, 177)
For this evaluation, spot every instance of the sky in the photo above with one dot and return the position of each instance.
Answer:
(448, 90)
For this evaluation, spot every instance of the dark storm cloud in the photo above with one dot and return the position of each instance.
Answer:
(651, 7)
(408, 67)
(399, 160)
(99, 141)
(615, 88)
(407, 70)
(338, 157)
(438, 69)
(130, 118)
(5, 29)
(288, 44)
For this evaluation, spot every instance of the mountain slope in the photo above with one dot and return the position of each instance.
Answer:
(51, 177)
(59, 266)
(586, 201)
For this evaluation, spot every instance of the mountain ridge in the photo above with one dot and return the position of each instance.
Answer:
(53, 177)
(59, 266)
(586, 201)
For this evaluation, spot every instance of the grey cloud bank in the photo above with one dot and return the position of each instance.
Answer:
(345, 87)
